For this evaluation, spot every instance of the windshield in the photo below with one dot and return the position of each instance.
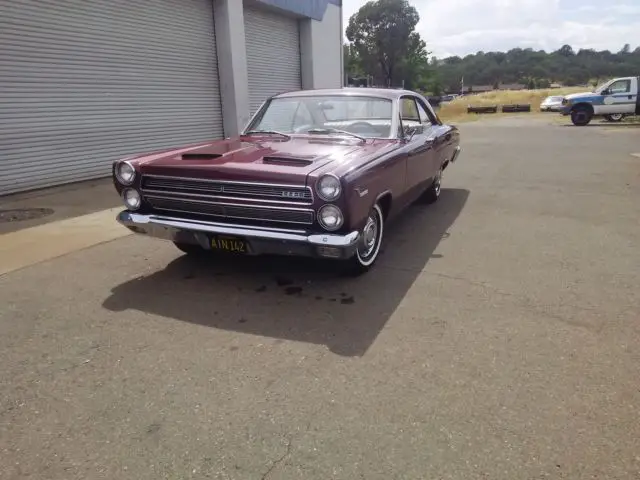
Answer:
(368, 117)
(600, 87)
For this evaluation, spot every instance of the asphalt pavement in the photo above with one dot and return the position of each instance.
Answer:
(497, 338)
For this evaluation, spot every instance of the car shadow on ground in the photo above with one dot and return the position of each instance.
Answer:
(295, 298)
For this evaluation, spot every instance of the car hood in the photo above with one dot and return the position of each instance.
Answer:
(585, 95)
(259, 158)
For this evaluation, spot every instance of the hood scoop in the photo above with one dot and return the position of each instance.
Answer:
(289, 161)
(200, 156)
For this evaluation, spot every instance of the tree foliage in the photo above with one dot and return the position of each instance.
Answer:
(538, 68)
(384, 43)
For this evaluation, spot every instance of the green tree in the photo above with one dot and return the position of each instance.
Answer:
(352, 64)
(523, 65)
(382, 34)
(543, 83)
(566, 51)
(413, 68)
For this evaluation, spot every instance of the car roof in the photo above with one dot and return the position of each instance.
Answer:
(387, 93)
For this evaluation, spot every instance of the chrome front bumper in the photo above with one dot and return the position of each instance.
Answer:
(261, 240)
(456, 152)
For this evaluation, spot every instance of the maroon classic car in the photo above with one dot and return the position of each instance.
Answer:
(315, 173)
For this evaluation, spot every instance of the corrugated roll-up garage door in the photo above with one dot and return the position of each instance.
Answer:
(85, 82)
(273, 54)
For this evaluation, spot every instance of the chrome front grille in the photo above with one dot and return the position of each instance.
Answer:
(232, 211)
(231, 201)
(286, 194)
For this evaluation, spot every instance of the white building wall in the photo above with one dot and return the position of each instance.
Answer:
(320, 51)
(232, 65)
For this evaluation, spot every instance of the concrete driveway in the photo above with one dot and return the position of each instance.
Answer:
(498, 338)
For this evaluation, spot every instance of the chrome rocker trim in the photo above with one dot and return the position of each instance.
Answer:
(262, 240)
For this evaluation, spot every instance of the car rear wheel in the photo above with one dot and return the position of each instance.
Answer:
(614, 117)
(369, 243)
(581, 116)
(189, 248)
(432, 194)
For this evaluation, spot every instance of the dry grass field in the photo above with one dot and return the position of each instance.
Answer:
(457, 109)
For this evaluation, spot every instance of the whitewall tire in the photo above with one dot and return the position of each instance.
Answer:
(432, 194)
(369, 243)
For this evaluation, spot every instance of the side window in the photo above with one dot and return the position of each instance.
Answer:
(621, 86)
(415, 116)
(409, 110)
(424, 116)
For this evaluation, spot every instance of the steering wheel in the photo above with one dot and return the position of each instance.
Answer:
(368, 127)
(302, 128)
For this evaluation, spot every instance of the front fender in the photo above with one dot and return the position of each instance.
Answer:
(587, 105)
(363, 197)
(365, 186)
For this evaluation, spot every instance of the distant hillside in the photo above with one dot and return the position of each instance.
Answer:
(536, 69)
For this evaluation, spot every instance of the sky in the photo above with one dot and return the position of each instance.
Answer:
(460, 27)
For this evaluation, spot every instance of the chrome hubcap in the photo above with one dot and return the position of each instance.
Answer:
(369, 236)
(437, 182)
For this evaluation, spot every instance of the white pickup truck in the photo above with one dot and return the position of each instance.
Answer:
(614, 100)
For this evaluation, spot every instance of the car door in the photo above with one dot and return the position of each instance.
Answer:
(436, 135)
(419, 138)
(621, 97)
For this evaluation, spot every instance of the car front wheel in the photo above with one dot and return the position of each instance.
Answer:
(369, 243)
(581, 116)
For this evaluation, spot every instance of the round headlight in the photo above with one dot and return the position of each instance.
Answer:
(330, 217)
(131, 198)
(125, 173)
(328, 188)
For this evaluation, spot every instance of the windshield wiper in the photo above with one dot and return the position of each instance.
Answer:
(268, 132)
(335, 130)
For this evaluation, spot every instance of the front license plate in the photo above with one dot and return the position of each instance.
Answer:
(229, 244)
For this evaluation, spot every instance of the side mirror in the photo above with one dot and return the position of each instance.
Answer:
(605, 92)
(409, 132)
